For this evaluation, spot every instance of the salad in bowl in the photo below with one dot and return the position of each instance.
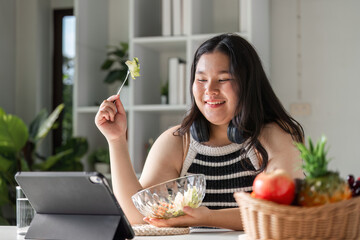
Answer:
(167, 199)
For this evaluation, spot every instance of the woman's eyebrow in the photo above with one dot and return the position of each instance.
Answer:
(219, 72)
(224, 71)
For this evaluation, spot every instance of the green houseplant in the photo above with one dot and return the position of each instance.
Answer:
(114, 63)
(164, 92)
(117, 70)
(99, 159)
(19, 152)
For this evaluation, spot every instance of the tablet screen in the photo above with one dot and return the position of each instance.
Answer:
(71, 193)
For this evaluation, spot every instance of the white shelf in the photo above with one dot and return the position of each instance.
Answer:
(139, 108)
(210, 35)
(90, 109)
(160, 44)
(160, 108)
(159, 39)
(93, 109)
(147, 117)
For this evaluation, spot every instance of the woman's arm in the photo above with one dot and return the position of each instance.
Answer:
(281, 150)
(223, 218)
(123, 178)
(111, 121)
(162, 162)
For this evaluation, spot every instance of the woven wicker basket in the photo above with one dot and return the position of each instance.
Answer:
(267, 220)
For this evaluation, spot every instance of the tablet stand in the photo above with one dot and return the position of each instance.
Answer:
(67, 226)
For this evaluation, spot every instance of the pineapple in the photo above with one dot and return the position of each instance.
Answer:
(320, 185)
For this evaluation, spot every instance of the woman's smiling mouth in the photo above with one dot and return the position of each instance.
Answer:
(214, 103)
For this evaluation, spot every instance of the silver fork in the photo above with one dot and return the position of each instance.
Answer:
(127, 76)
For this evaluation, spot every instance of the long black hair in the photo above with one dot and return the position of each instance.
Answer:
(257, 103)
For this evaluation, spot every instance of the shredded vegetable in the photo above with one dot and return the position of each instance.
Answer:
(190, 198)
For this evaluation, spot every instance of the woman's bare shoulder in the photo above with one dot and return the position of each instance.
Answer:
(171, 138)
(281, 150)
(164, 160)
(272, 133)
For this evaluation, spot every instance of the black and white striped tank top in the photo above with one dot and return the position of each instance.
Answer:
(227, 170)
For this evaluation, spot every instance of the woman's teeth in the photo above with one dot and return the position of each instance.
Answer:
(214, 103)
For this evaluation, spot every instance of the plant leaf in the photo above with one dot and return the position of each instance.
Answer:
(24, 165)
(311, 146)
(2, 112)
(13, 133)
(112, 76)
(3, 221)
(120, 53)
(107, 64)
(52, 160)
(49, 122)
(4, 194)
(125, 46)
(36, 123)
(5, 164)
(78, 144)
(67, 157)
(99, 155)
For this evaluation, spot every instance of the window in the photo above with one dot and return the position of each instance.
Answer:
(63, 72)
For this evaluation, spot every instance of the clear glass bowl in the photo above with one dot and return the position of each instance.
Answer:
(167, 199)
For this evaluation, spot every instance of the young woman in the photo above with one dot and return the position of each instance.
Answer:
(236, 128)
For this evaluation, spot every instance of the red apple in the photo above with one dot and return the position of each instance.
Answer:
(276, 186)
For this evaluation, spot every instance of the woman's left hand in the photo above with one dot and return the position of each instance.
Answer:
(192, 217)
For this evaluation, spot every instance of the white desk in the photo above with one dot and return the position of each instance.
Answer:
(9, 233)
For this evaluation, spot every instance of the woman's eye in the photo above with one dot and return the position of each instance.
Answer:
(224, 80)
(201, 80)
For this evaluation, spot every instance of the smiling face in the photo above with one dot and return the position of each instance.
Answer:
(214, 88)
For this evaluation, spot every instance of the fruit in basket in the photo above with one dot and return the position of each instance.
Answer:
(320, 185)
(276, 186)
(354, 185)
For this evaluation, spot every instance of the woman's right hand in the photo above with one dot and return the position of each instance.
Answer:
(111, 119)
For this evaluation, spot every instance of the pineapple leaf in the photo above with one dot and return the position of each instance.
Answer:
(311, 146)
(314, 158)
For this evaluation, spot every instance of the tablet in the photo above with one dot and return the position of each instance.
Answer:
(74, 194)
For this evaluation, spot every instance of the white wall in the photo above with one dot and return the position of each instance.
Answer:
(33, 58)
(25, 55)
(118, 21)
(329, 67)
(7, 55)
(61, 4)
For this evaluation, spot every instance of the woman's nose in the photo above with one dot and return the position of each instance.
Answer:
(212, 88)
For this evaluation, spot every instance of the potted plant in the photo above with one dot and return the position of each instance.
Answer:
(100, 160)
(117, 70)
(164, 92)
(18, 152)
